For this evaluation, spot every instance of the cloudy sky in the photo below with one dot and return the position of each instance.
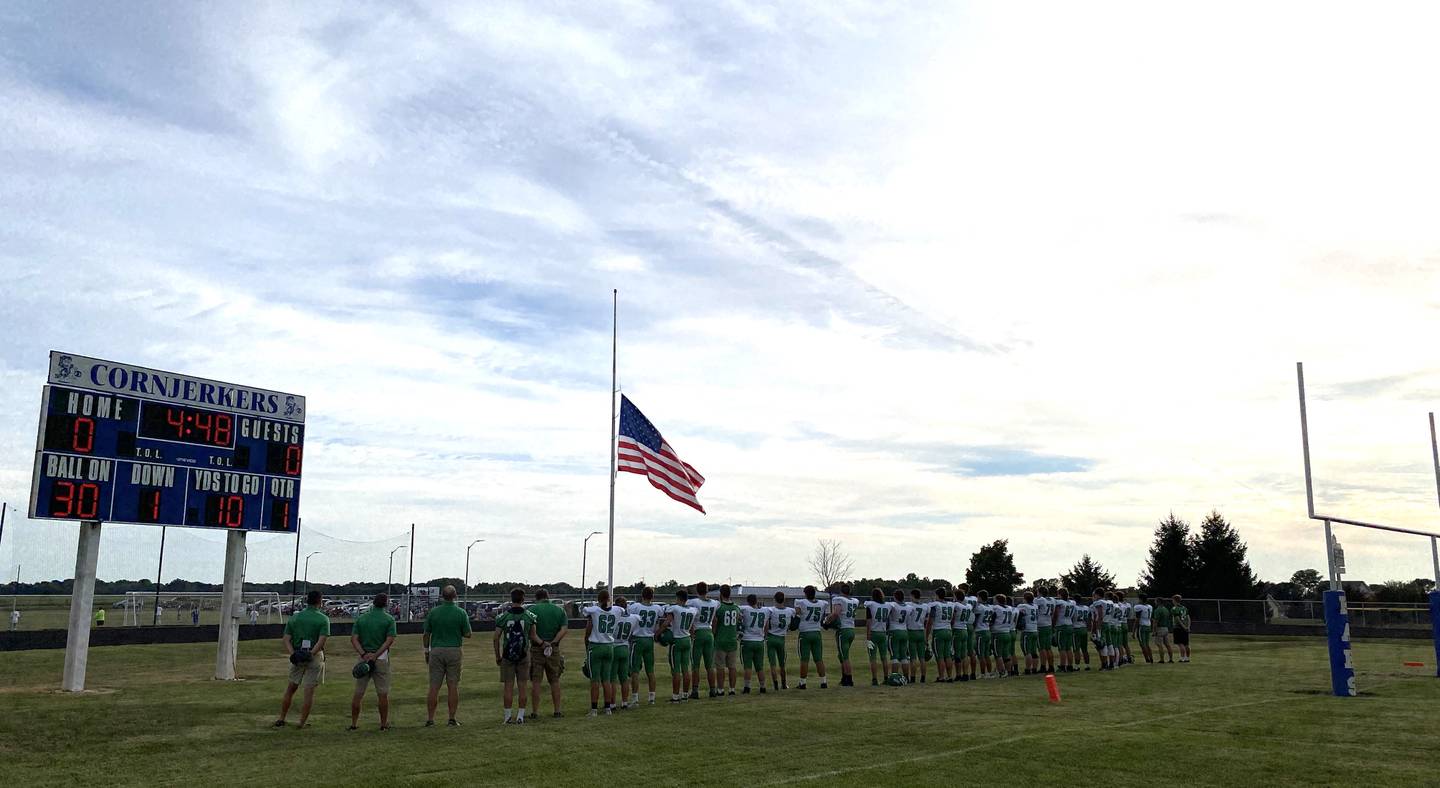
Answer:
(914, 277)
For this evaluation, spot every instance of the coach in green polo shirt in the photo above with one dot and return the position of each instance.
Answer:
(551, 624)
(305, 634)
(371, 637)
(445, 625)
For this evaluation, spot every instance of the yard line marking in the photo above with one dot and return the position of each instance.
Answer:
(1011, 740)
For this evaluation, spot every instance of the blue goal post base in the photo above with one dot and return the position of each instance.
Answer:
(1337, 636)
(1435, 627)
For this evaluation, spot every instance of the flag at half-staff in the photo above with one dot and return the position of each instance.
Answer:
(639, 448)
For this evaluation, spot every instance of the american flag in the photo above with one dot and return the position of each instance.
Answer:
(642, 450)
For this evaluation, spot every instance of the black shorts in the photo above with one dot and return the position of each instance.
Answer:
(1182, 637)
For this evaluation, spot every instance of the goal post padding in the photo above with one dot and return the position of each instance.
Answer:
(1435, 626)
(1337, 635)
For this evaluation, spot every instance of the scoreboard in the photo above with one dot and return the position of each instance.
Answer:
(125, 444)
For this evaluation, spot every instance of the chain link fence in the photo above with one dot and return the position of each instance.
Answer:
(1394, 615)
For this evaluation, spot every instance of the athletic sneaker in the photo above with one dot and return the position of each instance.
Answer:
(745, 691)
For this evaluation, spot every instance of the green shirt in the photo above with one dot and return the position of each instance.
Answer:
(309, 624)
(446, 624)
(550, 619)
(526, 617)
(1162, 616)
(727, 626)
(1181, 616)
(373, 628)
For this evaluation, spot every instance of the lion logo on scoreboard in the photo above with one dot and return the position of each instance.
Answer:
(65, 368)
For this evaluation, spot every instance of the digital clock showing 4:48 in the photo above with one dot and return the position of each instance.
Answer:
(118, 444)
(163, 421)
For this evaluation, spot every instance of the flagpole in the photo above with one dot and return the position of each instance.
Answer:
(614, 337)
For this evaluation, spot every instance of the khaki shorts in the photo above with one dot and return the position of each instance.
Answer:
(726, 659)
(308, 675)
(381, 675)
(445, 665)
(1162, 635)
(511, 671)
(545, 667)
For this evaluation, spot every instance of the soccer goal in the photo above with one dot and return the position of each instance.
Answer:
(1337, 618)
(178, 608)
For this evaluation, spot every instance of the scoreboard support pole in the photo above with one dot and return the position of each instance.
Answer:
(230, 606)
(82, 607)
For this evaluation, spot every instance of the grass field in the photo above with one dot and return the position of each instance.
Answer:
(1248, 711)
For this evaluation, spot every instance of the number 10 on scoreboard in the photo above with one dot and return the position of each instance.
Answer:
(120, 443)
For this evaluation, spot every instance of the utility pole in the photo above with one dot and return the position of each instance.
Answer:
(584, 556)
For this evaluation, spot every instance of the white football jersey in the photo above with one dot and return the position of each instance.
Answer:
(918, 613)
(752, 623)
(879, 615)
(704, 611)
(779, 620)
(649, 616)
(602, 623)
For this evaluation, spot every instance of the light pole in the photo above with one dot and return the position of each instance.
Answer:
(307, 571)
(391, 573)
(467, 567)
(584, 556)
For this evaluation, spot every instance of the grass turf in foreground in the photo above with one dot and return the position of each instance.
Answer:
(1248, 711)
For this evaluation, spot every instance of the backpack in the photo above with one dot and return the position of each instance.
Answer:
(515, 644)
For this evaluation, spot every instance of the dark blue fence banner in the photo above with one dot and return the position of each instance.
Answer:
(1337, 633)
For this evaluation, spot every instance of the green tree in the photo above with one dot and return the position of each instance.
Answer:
(1086, 576)
(1221, 571)
(992, 568)
(1307, 582)
(1401, 590)
(1170, 568)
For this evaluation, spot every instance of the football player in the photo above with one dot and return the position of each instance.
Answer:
(811, 613)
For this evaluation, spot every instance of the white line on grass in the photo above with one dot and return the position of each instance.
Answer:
(1010, 740)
